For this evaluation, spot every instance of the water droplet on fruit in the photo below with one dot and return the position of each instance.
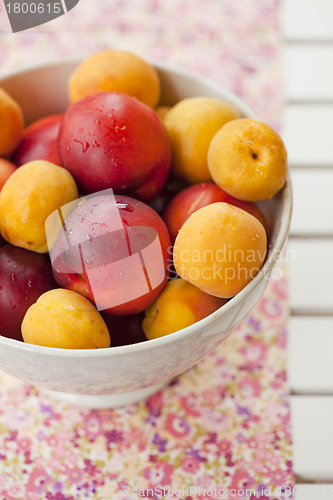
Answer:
(14, 306)
(30, 284)
(99, 222)
(85, 145)
(97, 122)
(13, 277)
(67, 149)
(95, 144)
(125, 206)
(27, 299)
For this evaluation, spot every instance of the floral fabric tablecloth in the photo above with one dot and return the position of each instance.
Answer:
(222, 429)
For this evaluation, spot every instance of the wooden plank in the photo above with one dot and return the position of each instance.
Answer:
(313, 201)
(313, 491)
(310, 348)
(312, 418)
(308, 134)
(309, 72)
(307, 19)
(311, 275)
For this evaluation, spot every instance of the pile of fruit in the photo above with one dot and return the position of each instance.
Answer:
(177, 238)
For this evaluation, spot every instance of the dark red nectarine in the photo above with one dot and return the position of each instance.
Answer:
(24, 276)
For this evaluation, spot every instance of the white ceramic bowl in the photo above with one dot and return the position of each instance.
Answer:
(121, 375)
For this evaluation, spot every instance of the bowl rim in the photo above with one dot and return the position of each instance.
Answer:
(274, 253)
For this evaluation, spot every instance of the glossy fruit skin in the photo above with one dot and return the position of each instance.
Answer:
(94, 224)
(24, 276)
(197, 196)
(152, 188)
(112, 140)
(39, 141)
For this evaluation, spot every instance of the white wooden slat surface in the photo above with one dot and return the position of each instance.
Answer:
(307, 26)
(311, 275)
(308, 134)
(313, 200)
(307, 19)
(312, 423)
(314, 492)
(309, 72)
(310, 355)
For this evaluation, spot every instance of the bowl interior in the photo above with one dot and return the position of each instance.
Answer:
(45, 93)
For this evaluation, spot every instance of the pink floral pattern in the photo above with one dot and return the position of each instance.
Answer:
(225, 423)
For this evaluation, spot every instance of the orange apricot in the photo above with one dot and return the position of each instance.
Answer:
(11, 123)
(179, 305)
(114, 70)
(248, 159)
(220, 248)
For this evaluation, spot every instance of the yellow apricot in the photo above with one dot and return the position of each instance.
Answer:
(28, 197)
(179, 305)
(114, 70)
(220, 248)
(11, 123)
(64, 319)
(248, 159)
(192, 123)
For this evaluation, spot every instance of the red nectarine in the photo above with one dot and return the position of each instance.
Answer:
(114, 251)
(197, 196)
(39, 141)
(112, 140)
